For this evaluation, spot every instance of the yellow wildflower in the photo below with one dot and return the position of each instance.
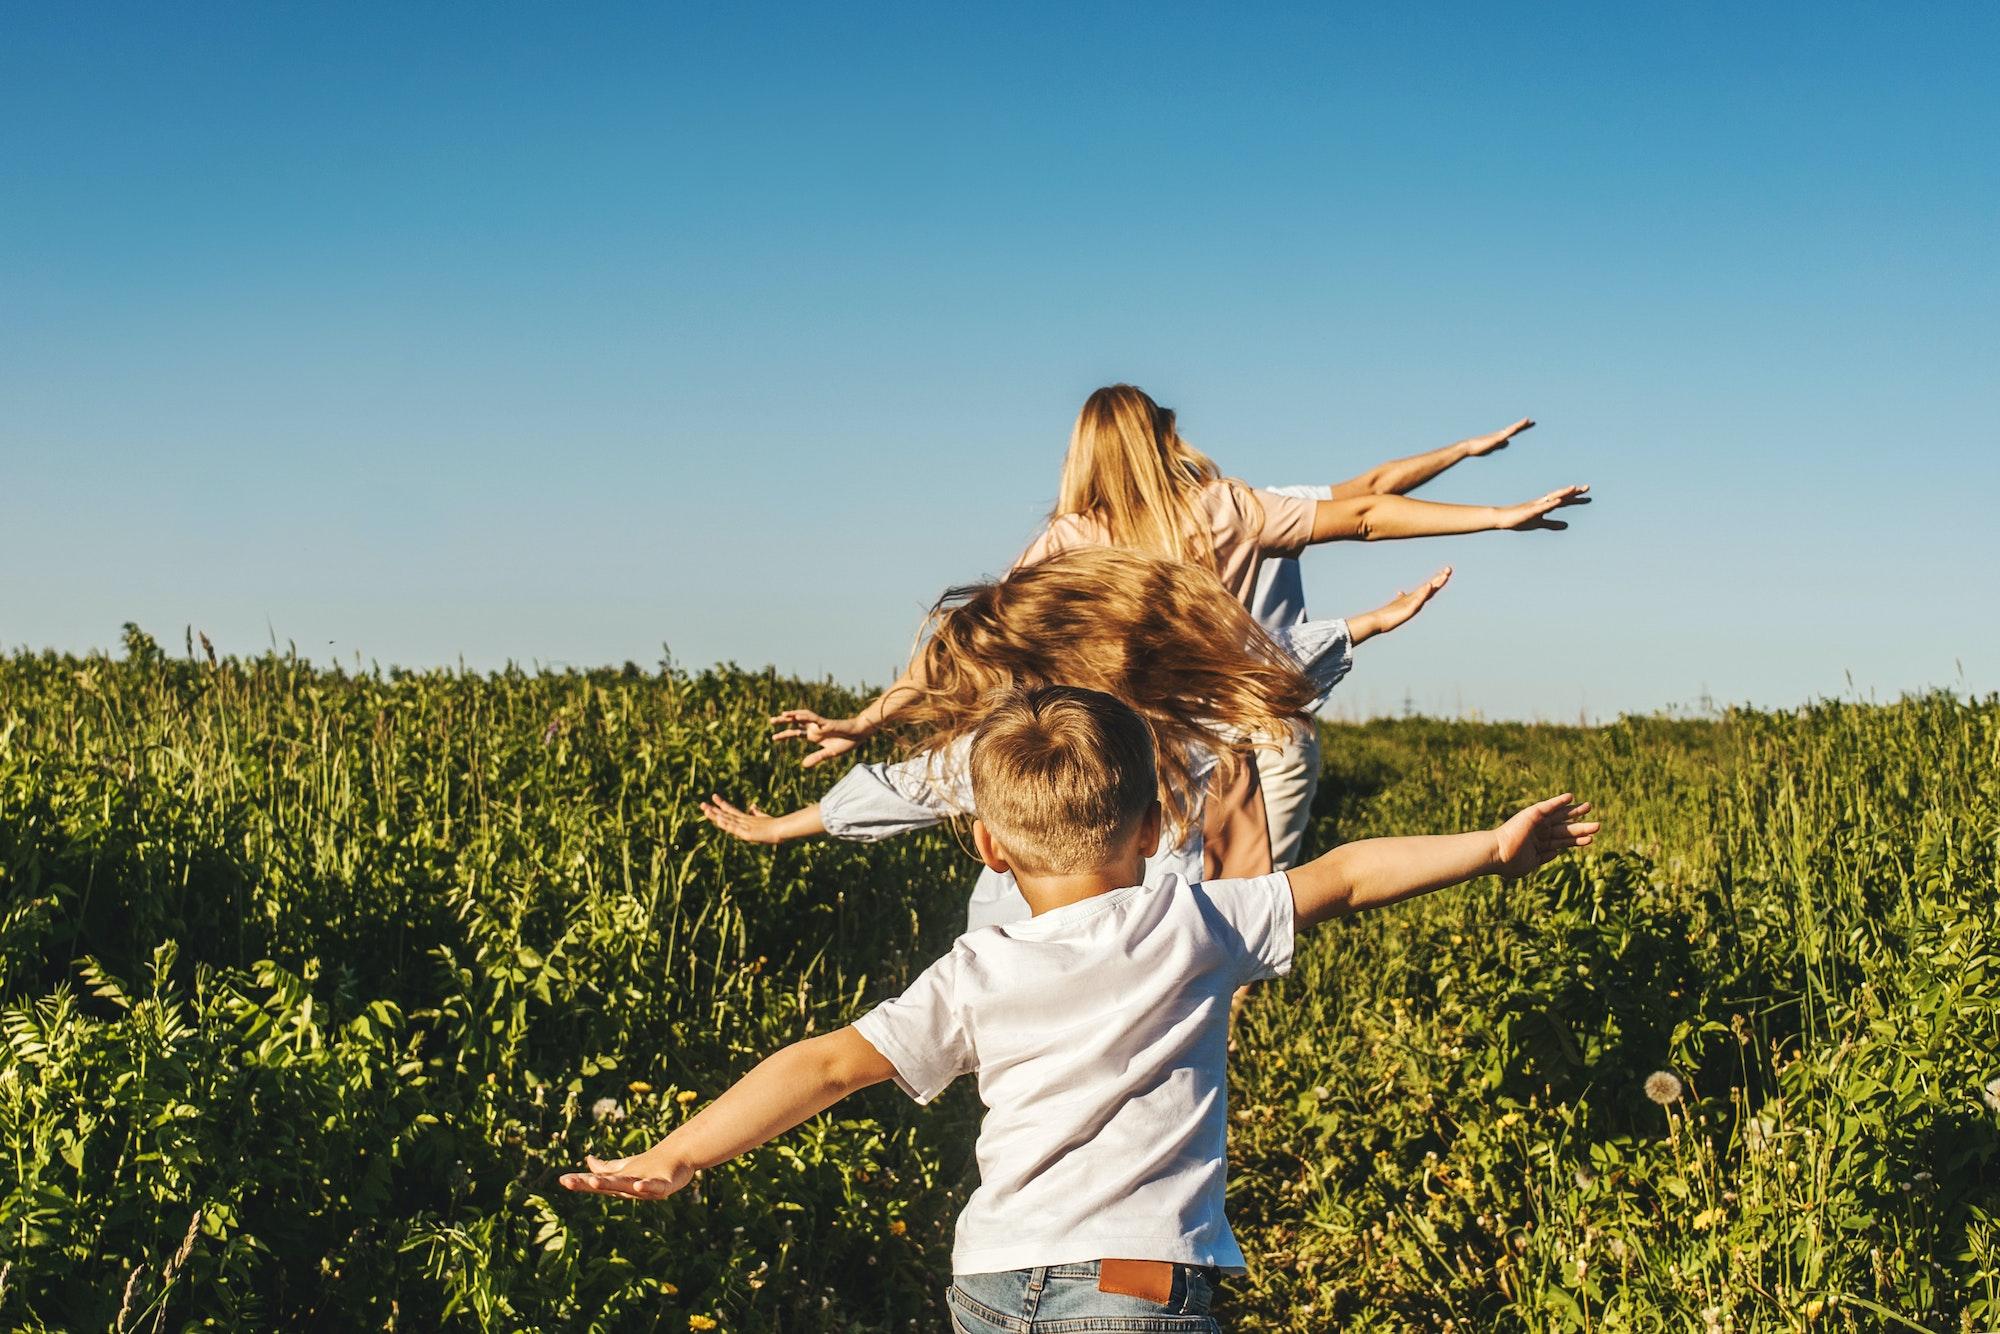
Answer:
(897, 1227)
(669, 1289)
(701, 1322)
(686, 1096)
(639, 1086)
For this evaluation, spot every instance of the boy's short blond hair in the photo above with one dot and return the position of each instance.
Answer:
(1061, 775)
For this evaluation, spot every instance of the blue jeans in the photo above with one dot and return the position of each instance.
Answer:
(1058, 1299)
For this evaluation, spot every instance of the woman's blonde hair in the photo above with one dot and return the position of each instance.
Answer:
(1130, 471)
(1163, 636)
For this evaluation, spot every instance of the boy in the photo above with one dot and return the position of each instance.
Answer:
(1096, 1027)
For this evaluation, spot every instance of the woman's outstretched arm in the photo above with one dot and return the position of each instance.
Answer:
(1398, 476)
(1380, 518)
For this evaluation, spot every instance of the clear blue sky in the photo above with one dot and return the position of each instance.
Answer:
(554, 334)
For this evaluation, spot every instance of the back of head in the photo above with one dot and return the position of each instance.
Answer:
(1161, 636)
(1061, 776)
(1130, 471)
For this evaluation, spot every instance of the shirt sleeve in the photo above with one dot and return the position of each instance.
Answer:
(1257, 914)
(1301, 492)
(1322, 649)
(922, 1033)
(1066, 533)
(1288, 522)
(872, 802)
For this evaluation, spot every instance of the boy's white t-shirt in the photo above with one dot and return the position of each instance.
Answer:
(1099, 1032)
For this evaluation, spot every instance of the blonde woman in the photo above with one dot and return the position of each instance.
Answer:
(1161, 635)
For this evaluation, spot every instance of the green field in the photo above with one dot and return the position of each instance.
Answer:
(313, 981)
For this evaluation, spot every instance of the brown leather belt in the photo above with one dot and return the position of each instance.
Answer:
(1148, 1280)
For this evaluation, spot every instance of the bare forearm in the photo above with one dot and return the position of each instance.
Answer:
(1383, 518)
(1375, 872)
(804, 822)
(787, 1088)
(1401, 475)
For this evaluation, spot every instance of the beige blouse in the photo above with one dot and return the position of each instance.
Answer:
(1246, 525)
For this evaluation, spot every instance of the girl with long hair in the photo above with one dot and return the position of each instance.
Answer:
(1161, 635)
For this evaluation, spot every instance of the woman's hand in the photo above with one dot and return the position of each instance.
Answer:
(1481, 445)
(652, 1175)
(1541, 833)
(832, 736)
(1396, 610)
(1521, 518)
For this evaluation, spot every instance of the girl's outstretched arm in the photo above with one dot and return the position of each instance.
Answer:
(833, 737)
(1379, 518)
(791, 1086)
(754, 826)
(870, 802)
(1374, 872)
(1396, 610)
(1402, 475)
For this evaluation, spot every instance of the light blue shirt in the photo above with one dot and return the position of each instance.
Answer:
(1279, 602)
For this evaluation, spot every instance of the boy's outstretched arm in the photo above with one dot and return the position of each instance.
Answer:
(754, 826)
(789, 1087)
(1374, 872)
(1398, 476)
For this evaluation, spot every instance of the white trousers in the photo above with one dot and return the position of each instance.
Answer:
(1289, 775)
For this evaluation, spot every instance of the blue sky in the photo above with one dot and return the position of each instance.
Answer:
(433, 332)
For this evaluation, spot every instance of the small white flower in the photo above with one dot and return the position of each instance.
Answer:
(1993, 1093)
(606, 1109)
(1664, 1087)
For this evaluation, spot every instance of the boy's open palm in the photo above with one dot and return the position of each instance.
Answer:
(645, 1176)
(1541, 833)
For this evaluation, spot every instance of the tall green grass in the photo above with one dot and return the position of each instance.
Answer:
(310, 983)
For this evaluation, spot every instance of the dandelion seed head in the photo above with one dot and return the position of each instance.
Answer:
(606, 1109)
(1993, 1093)
(1663, 1087)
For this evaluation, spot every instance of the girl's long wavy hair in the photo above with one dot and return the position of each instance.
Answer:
(1161, 635)
(1129, 470)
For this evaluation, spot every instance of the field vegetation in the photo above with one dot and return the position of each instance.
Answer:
(312, 981)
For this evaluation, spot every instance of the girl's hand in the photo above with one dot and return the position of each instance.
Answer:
(1396, 610)
(833, 736)
(1480, 445)
(752, 826)
(1521, 518)
(1541, 833)
(652, 1175)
